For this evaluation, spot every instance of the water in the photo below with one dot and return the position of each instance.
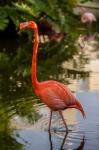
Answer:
(83, 134)
(24, 120)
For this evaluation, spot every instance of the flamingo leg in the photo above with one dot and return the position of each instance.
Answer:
(63, 142)
(50, 140)
(60, 112)
(50, 120)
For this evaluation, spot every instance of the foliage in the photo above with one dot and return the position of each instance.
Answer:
(83, 1)
(28, 9)
(3, 20)
(58, 12)
(58, 16)
(8, 142)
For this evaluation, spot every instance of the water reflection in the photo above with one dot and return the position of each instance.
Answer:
(62, 143)
(8, 142)
(83, 134)
(40, 140)
(83, 84)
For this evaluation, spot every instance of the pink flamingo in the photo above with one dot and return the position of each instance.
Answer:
(54, 94)
(88, 17)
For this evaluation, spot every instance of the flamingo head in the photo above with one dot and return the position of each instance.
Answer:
(29, 24)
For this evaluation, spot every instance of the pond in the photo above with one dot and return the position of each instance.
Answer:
(24, 120)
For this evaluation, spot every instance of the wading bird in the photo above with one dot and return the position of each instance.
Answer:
(54, 94)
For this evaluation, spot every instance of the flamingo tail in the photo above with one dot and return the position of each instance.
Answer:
(79, 107)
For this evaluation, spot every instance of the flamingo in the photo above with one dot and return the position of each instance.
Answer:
(54, 94)
(88, 17)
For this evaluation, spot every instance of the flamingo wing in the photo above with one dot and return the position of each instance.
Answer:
(56, 96)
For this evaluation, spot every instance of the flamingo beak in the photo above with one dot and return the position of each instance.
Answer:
(23, 25)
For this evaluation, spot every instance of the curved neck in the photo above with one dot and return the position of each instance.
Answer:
(34, 78)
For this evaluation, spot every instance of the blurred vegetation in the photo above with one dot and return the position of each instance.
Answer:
(15, 64)
(55, 10)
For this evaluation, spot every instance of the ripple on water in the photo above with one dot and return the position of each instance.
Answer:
(83, 134)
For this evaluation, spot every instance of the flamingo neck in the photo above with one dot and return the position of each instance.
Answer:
(34, 77)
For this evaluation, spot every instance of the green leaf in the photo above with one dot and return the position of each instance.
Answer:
(3, 20)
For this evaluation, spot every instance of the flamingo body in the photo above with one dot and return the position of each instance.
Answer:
(57, 96)
(54, 94)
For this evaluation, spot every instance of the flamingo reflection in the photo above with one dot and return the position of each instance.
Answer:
(62, 144)
(80, 147)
